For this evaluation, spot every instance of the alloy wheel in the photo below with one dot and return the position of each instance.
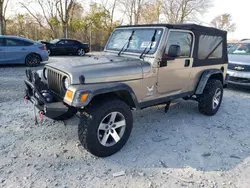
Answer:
(81, 52)
(111, 129)
(217, 98)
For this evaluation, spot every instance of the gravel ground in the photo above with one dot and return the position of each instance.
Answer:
(179, 149)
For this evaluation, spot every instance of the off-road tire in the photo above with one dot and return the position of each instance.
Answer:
(32, 60)
(69, 114)
(206, 99)
(90, 120)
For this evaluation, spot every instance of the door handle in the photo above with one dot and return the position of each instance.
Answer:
(187, 62)
(23, 49)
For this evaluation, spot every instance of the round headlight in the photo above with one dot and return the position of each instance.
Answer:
(45, 73)
(65, 83)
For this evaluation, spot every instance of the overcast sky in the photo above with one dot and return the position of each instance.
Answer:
(239, 10)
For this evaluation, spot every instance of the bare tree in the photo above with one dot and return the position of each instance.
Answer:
(151, 12)
(110, 8)
(133, 9)
(224, 22)
(3, 9)
(181, 11)
(49, 13)
(64, 8)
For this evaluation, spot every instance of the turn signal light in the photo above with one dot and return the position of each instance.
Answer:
(69, 94)
(84, 97)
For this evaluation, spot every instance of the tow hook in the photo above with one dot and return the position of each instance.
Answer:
(26, 100)
(41, 113)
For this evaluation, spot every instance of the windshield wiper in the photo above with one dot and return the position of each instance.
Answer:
(127, 43)
(150, 47)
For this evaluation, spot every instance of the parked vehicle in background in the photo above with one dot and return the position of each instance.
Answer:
(66, 47)
(141, 66)
(229, 45)
(19, 50)
(239, 63)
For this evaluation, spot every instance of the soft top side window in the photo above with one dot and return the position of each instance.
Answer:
(210, 47)
(183, 39)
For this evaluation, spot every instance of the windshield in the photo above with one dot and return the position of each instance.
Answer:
(243, 48)
(141, 39)
(54, 41)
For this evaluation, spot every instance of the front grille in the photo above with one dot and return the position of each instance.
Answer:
(55, 82)
(239, 80)
(238, 67)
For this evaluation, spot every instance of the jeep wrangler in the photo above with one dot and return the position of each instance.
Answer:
(141, 66)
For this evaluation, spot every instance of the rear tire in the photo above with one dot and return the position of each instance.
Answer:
(101, 134)
(210, 100)
(32, 60)
(49, 52)
(69, 114)
(81, 52)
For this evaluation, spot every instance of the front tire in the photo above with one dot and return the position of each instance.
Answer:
(32, 60)
(105, 127)
(210, 100)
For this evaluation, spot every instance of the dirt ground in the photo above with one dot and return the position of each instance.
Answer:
(179, 149)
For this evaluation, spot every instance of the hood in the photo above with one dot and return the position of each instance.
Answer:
(101, 67)
(239, 59)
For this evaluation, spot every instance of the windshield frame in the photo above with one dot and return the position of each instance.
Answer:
(235, 46)
(137, 52)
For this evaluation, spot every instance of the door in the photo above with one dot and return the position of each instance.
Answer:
(71, 46)
(16, 51)
(2, 51)
(174, 75)
(61, 48)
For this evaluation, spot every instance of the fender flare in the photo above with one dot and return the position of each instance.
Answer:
(98, 89)
(205, 77)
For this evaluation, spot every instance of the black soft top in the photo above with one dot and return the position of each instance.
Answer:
(192, 27)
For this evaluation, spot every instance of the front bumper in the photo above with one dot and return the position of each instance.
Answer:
(238, 78)
(33, 93)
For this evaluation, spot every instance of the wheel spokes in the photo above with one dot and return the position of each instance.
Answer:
(216, 101)
(120, 124)
(103, 126)
(112, 117)
(105, 138)
(218, 94)
(115, 136)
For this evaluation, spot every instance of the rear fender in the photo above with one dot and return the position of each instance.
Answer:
(206, 75)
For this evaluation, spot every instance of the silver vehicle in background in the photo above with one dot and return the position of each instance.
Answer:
(239, 63)
(20, 50)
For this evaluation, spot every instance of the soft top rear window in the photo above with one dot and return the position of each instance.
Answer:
(210, 47)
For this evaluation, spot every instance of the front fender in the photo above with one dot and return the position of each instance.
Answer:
(97, 89)
(205, 77)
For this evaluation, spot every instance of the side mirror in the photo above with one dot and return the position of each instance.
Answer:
(174, 51)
